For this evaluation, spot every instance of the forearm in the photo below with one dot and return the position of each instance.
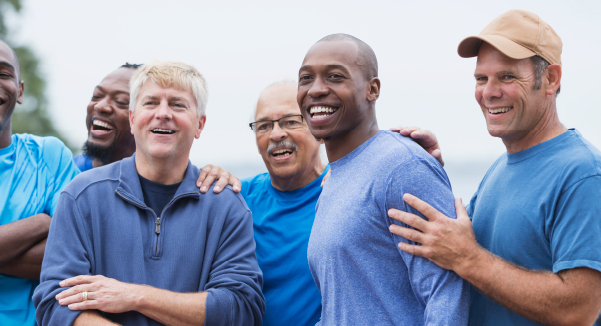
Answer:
(28, 265)
(91, 317)
(171, 308)
(541, 296)
(19, 236)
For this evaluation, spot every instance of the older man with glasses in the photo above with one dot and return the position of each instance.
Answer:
(283, 205)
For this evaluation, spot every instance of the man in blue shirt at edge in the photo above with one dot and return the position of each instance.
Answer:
(33, 171)
(172, 256)
(532, 253)
(363, 277)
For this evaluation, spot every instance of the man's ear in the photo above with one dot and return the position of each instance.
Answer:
(131, 121)
(21, 90)
(374, 89)
(553, 76)
(201, 125)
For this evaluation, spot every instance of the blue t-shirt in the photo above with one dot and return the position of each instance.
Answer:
(83, 162)
(540, 209)
(156, 195)
(363, 277)
(282, 222)
(33, 171)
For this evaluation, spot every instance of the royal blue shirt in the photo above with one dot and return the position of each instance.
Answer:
(33, 171)
(540, 209)
(83, 162)
(364, 278)
(282, 222)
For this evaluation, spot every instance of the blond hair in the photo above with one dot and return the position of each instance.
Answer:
(170, 74)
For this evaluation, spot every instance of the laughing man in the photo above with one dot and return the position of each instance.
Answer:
(136, 243)
(364, 279)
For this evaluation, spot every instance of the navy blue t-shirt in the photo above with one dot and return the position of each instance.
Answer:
(156, 195)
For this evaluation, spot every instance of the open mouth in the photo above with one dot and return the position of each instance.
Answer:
(101, 126)
(321, 112)
(163, 131)
(499, 110)
(282, 152)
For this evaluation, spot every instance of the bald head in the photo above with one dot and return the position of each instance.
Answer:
(366, 58)
(284, 90)
(15, 61)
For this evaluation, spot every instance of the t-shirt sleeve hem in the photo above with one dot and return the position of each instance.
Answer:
(563, 265)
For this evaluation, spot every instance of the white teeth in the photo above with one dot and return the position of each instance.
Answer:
(317, 117)
(102, 124)
(319, 109)
(282, 151)
(163, 131)
(499, 110)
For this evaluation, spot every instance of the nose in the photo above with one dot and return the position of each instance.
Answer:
(277, 133)
(491, 90)
(318, 88)
(103, 106)
(163, 111)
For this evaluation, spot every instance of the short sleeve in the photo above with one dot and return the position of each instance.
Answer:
(575, 231)
(62, 170)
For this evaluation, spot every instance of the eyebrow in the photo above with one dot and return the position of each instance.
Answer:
(118, 92)
(285, 116)
(7, 64)
(341, 67)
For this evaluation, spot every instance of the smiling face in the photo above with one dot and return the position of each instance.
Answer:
(333, 90)
(505, 91)
(108, 118)
(286, 153)
(11, 88)
(164, 123)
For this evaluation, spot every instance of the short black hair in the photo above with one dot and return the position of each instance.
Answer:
(18, 66)
(131, 65)
(366, 56)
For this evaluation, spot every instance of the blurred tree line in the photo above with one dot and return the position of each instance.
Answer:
(32, 116)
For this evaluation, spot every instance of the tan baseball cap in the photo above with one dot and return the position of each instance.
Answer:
(519, 34)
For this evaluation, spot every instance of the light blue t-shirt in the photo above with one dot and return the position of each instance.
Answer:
(33, 171)
(363, 277)
(540, 209)
(282, 222)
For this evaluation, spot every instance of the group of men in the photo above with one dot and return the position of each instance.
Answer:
(140, 239)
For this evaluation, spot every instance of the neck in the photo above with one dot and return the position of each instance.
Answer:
(549, 127)
(5, 136)
(312, 172)
(165, 171)
(339, 146)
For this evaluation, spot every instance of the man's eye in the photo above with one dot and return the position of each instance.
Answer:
(336, 76)
(263, 126)
(507, 77)
(95, 98)
(121, 103)
(481, 79)
(149, 103)
(292, 123)
(305, 78)
(179, 105)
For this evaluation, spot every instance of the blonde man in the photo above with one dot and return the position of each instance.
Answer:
(135, 242)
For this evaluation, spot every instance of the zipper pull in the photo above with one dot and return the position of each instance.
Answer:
(157, 225)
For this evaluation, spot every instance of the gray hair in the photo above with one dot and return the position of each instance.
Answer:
(539, 64)
(282, 82)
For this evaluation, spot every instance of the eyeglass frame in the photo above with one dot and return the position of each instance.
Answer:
(278, 121)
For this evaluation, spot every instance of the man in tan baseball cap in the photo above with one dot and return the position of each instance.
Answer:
(529, 241)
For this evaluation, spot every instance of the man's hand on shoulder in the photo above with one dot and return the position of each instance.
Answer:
(424, 138)
(447, 242)
(211, 173)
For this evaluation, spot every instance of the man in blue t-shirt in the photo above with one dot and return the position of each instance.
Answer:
(33, 171)
(536, 214)
(283, 205)
(364, 279)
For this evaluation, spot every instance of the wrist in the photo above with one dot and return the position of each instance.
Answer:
(472, 262)
(137, 297)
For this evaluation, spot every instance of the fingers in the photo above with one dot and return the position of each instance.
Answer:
(204, 173)
(76, 298)
(437, 154)
(224, 179)
(85, 305)
(81, 279)
(409, 234)
(212, 175)
(405, 131)
(325, 178)
(415, 250)
(429, 212)
(409, 219)
(460, 210)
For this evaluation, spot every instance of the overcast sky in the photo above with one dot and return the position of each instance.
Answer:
(242, 46)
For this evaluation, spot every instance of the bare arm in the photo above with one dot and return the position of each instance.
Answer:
(570, 297)
(172, 308)
(18, 237)
(28, 265)
(91, 317)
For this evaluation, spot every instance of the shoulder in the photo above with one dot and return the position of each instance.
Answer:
(254, 184)
(580, 154)
(48, 149)
(93, 179)
(403, 149)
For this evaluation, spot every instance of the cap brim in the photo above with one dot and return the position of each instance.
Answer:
(470, 46)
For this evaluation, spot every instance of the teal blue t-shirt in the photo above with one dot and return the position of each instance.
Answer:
(282, 222)
(33, 171)
(540, 209)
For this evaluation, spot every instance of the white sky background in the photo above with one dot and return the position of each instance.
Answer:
(242, 46)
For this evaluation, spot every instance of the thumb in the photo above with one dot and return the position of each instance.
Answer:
(460, 210)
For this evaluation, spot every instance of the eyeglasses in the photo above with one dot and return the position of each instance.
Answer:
(286, 123)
